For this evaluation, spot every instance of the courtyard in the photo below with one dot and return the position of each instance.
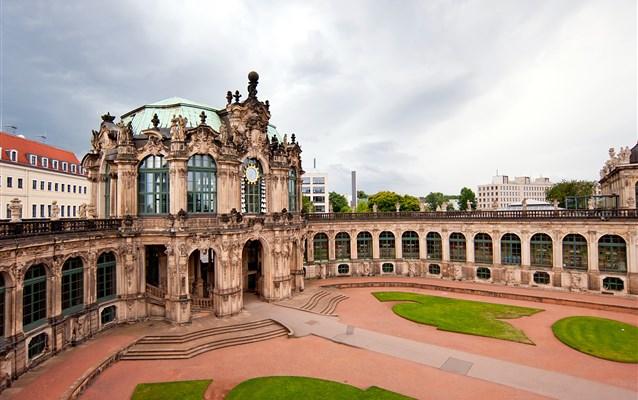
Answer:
(366, 344)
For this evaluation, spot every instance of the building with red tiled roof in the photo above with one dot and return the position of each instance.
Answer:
(39, 174)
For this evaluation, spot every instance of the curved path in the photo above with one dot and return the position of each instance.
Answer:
(534, 380)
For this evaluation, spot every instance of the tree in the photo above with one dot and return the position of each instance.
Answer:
(385, 201)
(409, 203)
(306, 205)
(339, 202)
(467, 195)
(362, 205)
(559, 191)
(361, 194)
(434, 200)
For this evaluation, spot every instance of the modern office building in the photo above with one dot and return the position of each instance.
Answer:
(314, 185)
(504, 191)
(38, 174)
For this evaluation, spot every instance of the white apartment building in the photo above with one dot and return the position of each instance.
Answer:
(504, 191)
(38, 174)
(314, 185)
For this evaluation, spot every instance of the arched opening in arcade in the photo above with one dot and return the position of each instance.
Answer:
(252, 262)
(201, 272)
(155, 267)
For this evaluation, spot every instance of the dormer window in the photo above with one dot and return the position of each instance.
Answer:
(13, 155)
(73, 168)
(65, 166)
(54, 164)
(45, 162)
(33, 159)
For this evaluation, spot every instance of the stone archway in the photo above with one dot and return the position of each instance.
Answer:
(155, 267)
(252, 267)
(202, 265)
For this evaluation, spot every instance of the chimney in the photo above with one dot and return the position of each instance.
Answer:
(314, 163)
(354, 190)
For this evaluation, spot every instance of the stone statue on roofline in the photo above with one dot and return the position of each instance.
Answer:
(178, 128)
(55, 211)
(15, 207)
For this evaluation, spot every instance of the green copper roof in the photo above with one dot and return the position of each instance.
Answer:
(141, 117)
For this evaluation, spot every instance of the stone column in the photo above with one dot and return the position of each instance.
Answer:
(227, 295)
(496, 248)
(632, 262)
(525, 250)
(592, 252)
(178, 305)
(469, 248)
(398, 245)
(423, 245)
(331, 246)
(16, 310)
(228, 186)
(113, 207)
(177, 184)
(353, 245)
(557, 246)
(376, 252)
(445, 246)
(127, 194)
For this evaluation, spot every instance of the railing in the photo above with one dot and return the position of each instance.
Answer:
(154, 291)
(476, 215)
(202, 302)
(9, 230)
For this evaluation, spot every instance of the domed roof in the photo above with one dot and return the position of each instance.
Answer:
(633, 158)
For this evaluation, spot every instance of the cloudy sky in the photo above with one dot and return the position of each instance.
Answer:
(415, 96)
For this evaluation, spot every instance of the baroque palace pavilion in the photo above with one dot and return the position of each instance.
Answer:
(191, 207)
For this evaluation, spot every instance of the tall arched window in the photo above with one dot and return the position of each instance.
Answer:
(612, 254)
(434, 246)
(34, 297)
(72, 285)
(410, 244)
(2, 305)
(107, 191)
(364, 245)
(386, 244)
(510, 249)
(292, 190)
(320, 247)
(153, 185)
(541, 250)
(253, 188)
(342, 246)
(457, 247)
(202, 184)
(483, 248)
(575, 252)
(106, 283)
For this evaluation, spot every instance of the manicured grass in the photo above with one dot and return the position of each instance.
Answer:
(463, 316)
(183, 390)
(599, 337)
(296, 387)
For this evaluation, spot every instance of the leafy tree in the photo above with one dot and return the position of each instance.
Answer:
(362, 205)
(566, 188)
(339, 202)
(434, 200)
(450, 207)
(467, 195)
(361, 194)
(385, 200)
(409, 203)
(306, 205)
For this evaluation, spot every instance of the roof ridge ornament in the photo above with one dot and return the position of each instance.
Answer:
(237, 96)
(108, 117)
(229, 97)
(155, 121)
(202, 118)
(253, 80)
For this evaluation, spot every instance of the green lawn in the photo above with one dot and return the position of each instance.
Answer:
(183, 390)
(295, 387)
(463, 316)
(599, 337)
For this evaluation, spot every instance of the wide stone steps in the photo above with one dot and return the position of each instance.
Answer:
(321, 302)
(173, 347)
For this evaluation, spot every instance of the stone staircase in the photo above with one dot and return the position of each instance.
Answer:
(188, 345)
(320, 302)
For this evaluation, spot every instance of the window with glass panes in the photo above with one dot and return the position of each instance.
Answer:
(153, 184)
(2, 305)
(364, 245)
(613, 283)
(483, 248)
(292, 190)
(510, 249)
(320, 247)
(410, 244)
(108, 314)
(37, 345)
(202, 184)
(434, 269)
(483, 273)
(72, 285)
(541, 250)
(342, 246)
(575, 252)
(343, 269)
(612, 254)
(457, 247)
(434, 247)
(106, 288)
(386, 245)
(542, 278)
(252, 187)
(34, 297)
(387, 268)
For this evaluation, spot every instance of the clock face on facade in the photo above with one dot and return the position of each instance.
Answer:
(251, 174)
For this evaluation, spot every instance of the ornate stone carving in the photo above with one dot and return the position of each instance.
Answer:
(178, 128)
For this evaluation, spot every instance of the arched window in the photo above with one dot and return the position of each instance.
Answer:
(612, 254)
(387, 268)
(483, 248)
(364, 245)
(433, 246)
(410, 244)
(320, 246)
(613, 283)
(342, 246)
(434, 269)
(153, 185)
(386, 244)
(292, 190)
(343, 269)
(575, 252)
(72, 285)
(510, 249)
(202, 184)
(107, 191)
(457, 247)
(541, 250)
(34, 297)
(106, 283)
(253, 188)
(2, 304)
(483, 273)
(542, 278)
